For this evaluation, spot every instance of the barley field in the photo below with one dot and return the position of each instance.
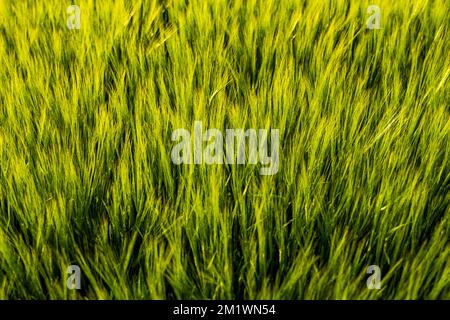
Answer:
(86, 175)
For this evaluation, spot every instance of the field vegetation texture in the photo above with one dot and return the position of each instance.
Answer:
(86, 177)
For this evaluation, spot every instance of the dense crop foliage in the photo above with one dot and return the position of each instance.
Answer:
(86, 177)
